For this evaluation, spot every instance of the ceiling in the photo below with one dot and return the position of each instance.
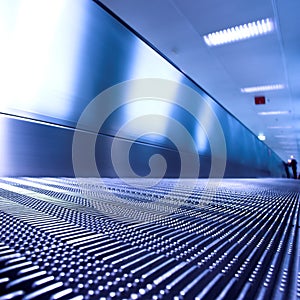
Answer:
(176, 29)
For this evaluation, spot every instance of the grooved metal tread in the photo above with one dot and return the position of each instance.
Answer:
(68, 238)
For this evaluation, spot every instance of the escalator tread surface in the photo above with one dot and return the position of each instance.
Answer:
(92, 238)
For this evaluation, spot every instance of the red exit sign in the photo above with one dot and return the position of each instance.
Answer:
(260, 100)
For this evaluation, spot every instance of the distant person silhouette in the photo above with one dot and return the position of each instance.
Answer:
(293, 164)
(286, 167)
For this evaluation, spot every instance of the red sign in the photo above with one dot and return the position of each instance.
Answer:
(260, 100)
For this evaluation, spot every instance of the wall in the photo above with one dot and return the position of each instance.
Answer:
(81, 68)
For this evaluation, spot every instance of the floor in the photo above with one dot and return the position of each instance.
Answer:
(86, 238)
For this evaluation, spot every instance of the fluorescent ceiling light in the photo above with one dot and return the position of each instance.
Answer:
(288, 143)
(241, 32)
(262, 88)
(270, 113)
(283, 136)
(279, 127)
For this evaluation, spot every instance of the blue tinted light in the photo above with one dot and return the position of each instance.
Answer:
(149, 64)
(39, 55)
(141, 112)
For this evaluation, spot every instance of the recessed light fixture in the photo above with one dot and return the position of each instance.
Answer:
(279, 127)
(270, 113)
(283, 136)
(262, 88)
(240, 32)
(288, 143)
(261, 137)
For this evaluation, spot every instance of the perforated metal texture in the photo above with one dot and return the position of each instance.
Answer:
(115, 241)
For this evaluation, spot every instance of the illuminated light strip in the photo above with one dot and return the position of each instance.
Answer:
(271, 113)
(262, 88)
(241, 32)
(279, 127)
(288, 144)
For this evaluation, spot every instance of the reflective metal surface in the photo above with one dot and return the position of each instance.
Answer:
(59, 240)
(77, 52)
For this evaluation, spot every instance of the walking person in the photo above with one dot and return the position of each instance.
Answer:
(293, 164)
